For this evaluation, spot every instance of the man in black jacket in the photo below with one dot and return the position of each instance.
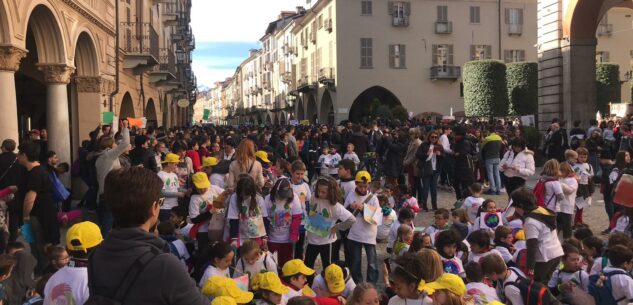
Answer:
(11, 173)
(463, 174)
(142, 155)
(133, 249)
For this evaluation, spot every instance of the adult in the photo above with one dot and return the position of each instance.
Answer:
(395, 148)
(490, 152)
(293, 148)
(360, 141)
(245, 162)
(39, 211)
(595, 145)
(517, 165)
(446, 168)
(463, 174)
(411, 163)
(229, 149)
(374, 136)
(429, 155)
(576, 136)
(11, 173)
(554, 142)
(132, 256)
(142, 155)
(544, 250)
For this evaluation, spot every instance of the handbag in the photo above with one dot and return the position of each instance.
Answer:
(60, 193)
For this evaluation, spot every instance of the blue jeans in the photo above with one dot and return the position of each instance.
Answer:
(492, 171)
(429, 183)
(356, 256)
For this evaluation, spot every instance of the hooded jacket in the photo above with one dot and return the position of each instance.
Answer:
(491, 147)
(523, 161)
(162, 281)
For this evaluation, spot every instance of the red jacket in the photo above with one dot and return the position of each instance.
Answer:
(195, 159)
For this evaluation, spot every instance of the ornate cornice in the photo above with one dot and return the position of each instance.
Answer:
(56, 73)
(90, 84)
(10, 57)
(90, 16)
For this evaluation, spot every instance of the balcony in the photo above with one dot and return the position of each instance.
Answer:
(328, 25)
(515, 29)
(170, 13)
(287, 77)
(400, 21)
(445, 72)
(327, 76)
(443, 27)
(605, 29)
(306, 84)
(166, 69)
(140, 43)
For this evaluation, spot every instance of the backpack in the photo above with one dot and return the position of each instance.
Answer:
(532, 292)
(129, 279)
(521, 260)
(539, 192)
(600, 287)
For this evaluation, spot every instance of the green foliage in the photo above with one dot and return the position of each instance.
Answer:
(400, 113)
(607, 86)
(383, 111)
(522, 79)
(485, 90)
(532, 137)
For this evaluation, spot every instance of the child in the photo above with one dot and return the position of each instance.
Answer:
(176, 246)
(461, 216)
(7, 262)
(335, 159)
(408, 201)
(362, 234)
(446, 244)
(420, 241)
(411, 269)
(482, 293)
(301, 190)
(220, 287)
(335, 286)
(216, 178)
(285, 213)
(592, 249)
(569, 183)
(621, 259)
(351, 155)
(402, 244)
(488, 206)
(504, 243)
(441, 224)
(570, 276)
(38, 294)
(201, 209)
(585, 183)
(178, 218)
(254, 260)
(248, 216)
(495, 269)
(474, 201)
(269, 288)
(171, 185)
(327, 208)
(363, 294)
(389, 217)
(324, 280)
(480, 246)
(325, 160)
(220, 259)
(58, 258)
(295, 274)
(602, 262)
(346, 169)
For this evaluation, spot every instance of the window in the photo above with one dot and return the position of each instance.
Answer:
(514, 16)
(461, 89)
(474, 14)
(366, 7)
(513, 55)
(480, 52)
(442, 55)
(397, 56)
(442, 13)
(602, 56)
(366, 53)
(400, 11)
(320, 21)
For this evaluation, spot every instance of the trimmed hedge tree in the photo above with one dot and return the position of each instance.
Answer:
(522, 81)
(607, 86)
(485, 90)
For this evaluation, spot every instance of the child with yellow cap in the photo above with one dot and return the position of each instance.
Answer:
(202, 212)
(216, 178)
(335, 286)
(216, 287)
(269, 288)
(295, 275)
(171, 185)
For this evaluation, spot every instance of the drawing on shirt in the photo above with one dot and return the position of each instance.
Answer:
(490, 220)
(319, 223)
(62, 294)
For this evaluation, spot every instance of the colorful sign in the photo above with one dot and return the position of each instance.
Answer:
(107, 118)
(490, 220)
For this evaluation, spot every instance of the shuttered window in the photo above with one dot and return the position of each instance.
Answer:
(602, 56)
(514, 16)
(397, 56)
(480, 52)
(442, 55)
(366, 7)
(366, 53)
(475, 16)
(510, 56)
(442, 13)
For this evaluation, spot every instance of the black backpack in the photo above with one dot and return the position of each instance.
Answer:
(130, 277)
(532, 292)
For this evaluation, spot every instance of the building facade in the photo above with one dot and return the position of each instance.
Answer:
(65, 62)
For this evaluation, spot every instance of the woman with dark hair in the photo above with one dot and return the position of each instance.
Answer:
(429, 155)
(517, 165)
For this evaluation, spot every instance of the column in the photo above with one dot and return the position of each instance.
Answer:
(57, 77)
(89, 90)
(579, 80)
(10, 58)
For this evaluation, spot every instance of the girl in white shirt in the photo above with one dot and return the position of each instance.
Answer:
(284, 212)
(553, 189)
(408, 271)
(565, 212)
(220, 259)
(248, 216)
(254, 260)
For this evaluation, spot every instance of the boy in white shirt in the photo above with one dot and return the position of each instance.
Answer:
(171, 185)
(621, 259)
(585, 173)
(325, 160)
(351, 155)
(441, 224)
(302, 190)
(295, 275)
(335, 159)
(481, 292)
(495, 269)
(570, 276)
(346, 169)
(363, 232)
(474, 201)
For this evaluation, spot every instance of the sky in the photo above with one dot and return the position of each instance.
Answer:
(226, 29)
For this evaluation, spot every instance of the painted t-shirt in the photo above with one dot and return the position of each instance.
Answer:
(322, 218)
(170, 185)
(251, 222)
(68, 285)
(280, 216)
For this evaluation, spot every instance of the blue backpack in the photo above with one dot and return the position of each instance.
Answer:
(600, 287)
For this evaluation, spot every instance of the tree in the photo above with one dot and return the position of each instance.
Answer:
(485, 89)
(400, 113)
(607, 86)
(522, 79)
(383, 112)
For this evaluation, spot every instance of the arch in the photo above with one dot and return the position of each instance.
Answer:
(48, 35)
(300, 110)
(150, 113)
(327, 108)
(268, 119)
(86, 56)
(127, 107)
(277, 118)
(366, 104)
(5, 31)
(311, 108)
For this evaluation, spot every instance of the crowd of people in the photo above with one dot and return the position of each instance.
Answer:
(281, 215)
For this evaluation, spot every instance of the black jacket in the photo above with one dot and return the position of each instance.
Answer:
(163, 281)
(463, 151)
(394, 156)
(421, 155)
(361, 144)
(145, 157)
(15, 173)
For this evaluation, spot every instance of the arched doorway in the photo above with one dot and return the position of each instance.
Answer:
(327, 108)
(127, 107)
(150, 114)
(365, 106)
(311, 113)
(300, 111)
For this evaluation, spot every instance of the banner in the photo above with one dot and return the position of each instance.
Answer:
(107, 118)
(490, 220)
(138, 123)
(305, 122)
(206, 114)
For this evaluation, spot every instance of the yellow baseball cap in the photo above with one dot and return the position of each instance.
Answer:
(296, 266)
(262, 155)
(269, 281)
(519, 235)
(200, 180)
(171, 158)
(224, 300)
(363, 176)
(83, 236)
(210, 161)
(448, 281)
(218, 286)
(335, 279)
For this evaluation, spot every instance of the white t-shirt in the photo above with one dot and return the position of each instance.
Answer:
(423, 300)
(251, 224)
(330, 213)
(362, 231)
(511, 293)
(621, 286)
(218, 180)
(579, 278)
(70, 285)
(302, 190)
(481, 293)
(505, 253)
(336, 159)
(184, 231)
(434, 231)
(621, 224)
(265, 262)
(325, 164)
(584, 171)
(211, 271)
(453, 265)
(352, 156)
(321, 289)
(199, 202)
(549, 246)
(476, 257)
(393, 233)
(347, 187)
(598, 265)
(552, 188)
(384, 230)
(170, 185)
(280, 215)
(567, 205)
(472, 204)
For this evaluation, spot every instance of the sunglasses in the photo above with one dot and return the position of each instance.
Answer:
(433, 137)
(161, 201)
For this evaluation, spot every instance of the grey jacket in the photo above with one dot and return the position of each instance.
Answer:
(163, 281)
(293, 149)
(108, 159)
